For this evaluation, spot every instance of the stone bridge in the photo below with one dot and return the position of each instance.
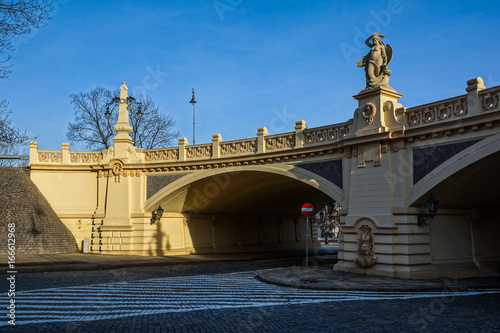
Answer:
(381, 166)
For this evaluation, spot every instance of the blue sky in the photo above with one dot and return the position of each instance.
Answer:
(253, 63)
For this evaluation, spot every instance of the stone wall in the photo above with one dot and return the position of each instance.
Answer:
(38, 230)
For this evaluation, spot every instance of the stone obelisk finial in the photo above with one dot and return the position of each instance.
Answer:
(123, 125)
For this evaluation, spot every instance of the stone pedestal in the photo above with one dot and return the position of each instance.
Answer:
(376, 112)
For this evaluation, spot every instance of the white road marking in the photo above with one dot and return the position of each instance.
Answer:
(180, 294)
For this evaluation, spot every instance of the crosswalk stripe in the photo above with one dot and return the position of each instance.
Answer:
(179, 294)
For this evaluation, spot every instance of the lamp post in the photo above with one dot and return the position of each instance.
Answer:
(325, 228)
(129, 100)
(193, 101)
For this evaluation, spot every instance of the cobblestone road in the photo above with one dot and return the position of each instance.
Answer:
(237, 302)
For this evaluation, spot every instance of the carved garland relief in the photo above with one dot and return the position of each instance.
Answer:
(118, 172)
(365, 257)
(369, 112)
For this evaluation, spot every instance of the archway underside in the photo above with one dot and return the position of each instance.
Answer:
(475, 186)
(241, 211)
(245, 193)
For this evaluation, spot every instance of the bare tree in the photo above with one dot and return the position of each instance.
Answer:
(18, 18)
(153, 130)
(11, 138)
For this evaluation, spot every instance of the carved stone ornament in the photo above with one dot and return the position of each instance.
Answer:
(118, 172)
(369, 112)
(388, 106)
(366, 257)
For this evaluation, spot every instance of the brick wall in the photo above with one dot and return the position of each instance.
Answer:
(38, 229)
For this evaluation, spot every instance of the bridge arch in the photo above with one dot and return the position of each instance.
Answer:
(466, 180)
(246, 189)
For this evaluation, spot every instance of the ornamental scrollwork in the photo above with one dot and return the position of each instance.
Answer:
(164, 154)
(118, 172)
(433, 112)
(89, 157)
(369, 112)
(284, 141)
(43, 158)
(325, 134)
(238, 147)
(202, 151)
(489, 101)
(48, 157)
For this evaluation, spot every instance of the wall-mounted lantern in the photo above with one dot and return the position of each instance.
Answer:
(156, 215)
(432, 207)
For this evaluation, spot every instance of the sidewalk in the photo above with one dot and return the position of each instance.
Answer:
(39, 263)
(321, 277)
(324, 278)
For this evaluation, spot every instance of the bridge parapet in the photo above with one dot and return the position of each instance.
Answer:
(448, 109)
(477, 101)
(489, 99)
(63, 156)
(327, 134)
(252, 146)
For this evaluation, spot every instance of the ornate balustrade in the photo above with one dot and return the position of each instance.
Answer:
(238, 147)
(477, 101)
(85, 157)
(163, 154)
(280, 141)
(64, 156)
(327, 134)
(199, 151)
(49, 156)
(489, 99)
(447, 109)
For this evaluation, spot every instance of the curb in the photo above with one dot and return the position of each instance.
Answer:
(355, 286)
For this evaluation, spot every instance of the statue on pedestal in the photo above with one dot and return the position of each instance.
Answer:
(376, 61)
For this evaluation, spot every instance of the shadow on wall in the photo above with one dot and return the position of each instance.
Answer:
(163, 241)
(24, 210)
(212, 233)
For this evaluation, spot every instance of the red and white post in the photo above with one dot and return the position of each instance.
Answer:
(307, 210)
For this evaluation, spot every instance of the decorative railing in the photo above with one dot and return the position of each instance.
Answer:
(489, 98)
(437, 111)
(477, 101)
(327, 134)
(90, 157)
(164, 154)
(247, 146)
(199, 151)
(50, 156)
(280, 141)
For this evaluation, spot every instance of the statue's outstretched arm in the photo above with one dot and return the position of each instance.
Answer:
(367, 42)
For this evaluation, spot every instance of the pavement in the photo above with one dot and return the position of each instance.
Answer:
(318, 276)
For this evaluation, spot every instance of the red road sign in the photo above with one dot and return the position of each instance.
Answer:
(307, 209)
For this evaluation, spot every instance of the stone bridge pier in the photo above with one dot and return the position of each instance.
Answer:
(381, 166)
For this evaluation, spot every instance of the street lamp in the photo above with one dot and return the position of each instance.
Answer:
(325, 224)
(129, 100)
(156, 215)
(432, 207)
(193, 101)
(329, 208)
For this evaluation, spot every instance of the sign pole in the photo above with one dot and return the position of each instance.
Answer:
(307, 241)
(307, 210)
